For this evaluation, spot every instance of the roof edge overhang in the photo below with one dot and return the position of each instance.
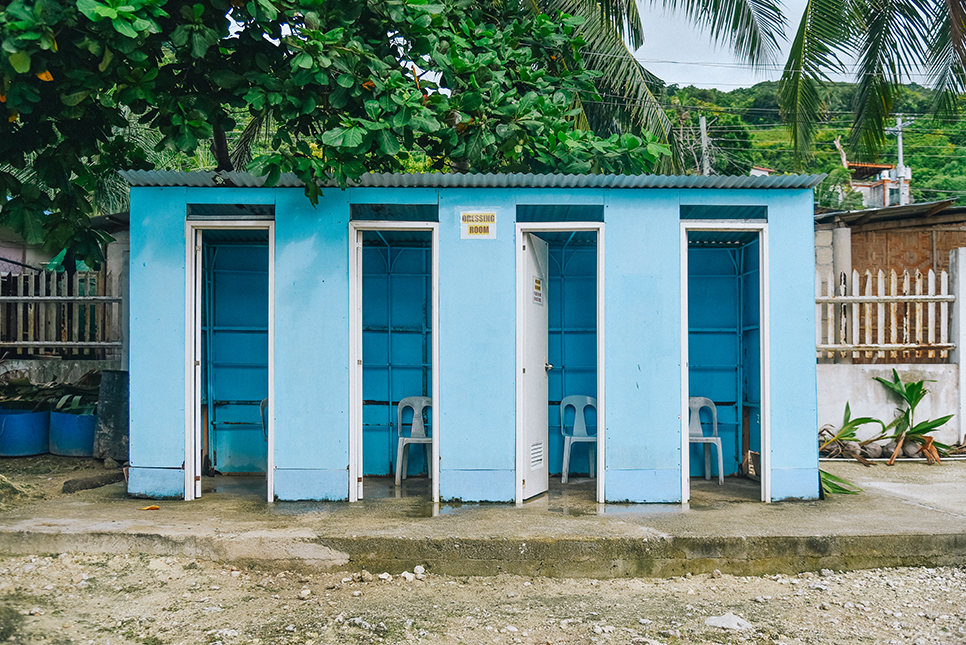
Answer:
(210, 179)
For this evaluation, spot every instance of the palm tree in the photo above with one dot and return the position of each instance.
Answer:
(891, 40)
(631, 94)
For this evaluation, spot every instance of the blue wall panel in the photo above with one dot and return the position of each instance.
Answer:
(312, 343)
(643, 346)
(477, 340)
(157, 357)
(794, 451)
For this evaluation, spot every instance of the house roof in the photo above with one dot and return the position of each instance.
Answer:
(862, 171)
(209, 179)
(895, 217)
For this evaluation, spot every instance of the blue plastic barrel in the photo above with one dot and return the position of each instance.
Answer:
(72, 435)
(24, 433)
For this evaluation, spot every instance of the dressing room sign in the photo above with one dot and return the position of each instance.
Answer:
(478, 225)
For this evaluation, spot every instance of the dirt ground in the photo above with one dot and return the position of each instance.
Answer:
(123, 598)
(26, 479)
(72, 598)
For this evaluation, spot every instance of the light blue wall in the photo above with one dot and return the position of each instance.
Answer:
(157, 380)
(477, 338)
(643, 346)
(311, 346)
(794, 450)
(477, 346)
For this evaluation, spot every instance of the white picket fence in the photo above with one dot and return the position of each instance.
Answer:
(42, 315)
(897, 318)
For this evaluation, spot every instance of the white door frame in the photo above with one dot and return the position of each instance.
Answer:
(765, 346)
(523, 287)
(355, 347)
(192, 435)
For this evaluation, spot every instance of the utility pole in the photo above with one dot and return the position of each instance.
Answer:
(901, 170)
(705, 161)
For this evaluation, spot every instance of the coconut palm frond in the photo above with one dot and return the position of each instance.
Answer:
(619, 16)
(892, 44)
(947, 55)
(242, 153)
(822, 34)
(628, 91)
(752, 28)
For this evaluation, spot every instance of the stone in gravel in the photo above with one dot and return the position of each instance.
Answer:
(418, 569)
(826, 573)
(824, 606)
(305, 593)
(356, 593)
(408, 577)
(111, 464)
(385, 576)
(366, 576)
(728, 621)
(716, 573)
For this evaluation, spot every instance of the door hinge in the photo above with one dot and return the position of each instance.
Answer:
(359, 480)
(359, 362)
(524, 370)
(198, 248)
(197, 363)
(197, 478)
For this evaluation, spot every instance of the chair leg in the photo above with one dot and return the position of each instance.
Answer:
(399, 462)
(429, 460)
(592, 449)
(565, 472)
(707, 460)
(405, 460)
(720, 464)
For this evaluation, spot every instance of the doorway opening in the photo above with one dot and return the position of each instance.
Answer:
(559, 356)
(724, 351)
(229, 439)
(394, 313)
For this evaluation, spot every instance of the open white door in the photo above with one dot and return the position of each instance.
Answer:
(533, 422)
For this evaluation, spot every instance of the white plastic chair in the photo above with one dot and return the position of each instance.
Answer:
(416, 435)
(578, 433)
(696, 434)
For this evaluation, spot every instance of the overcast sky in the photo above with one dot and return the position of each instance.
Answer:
(692, 60)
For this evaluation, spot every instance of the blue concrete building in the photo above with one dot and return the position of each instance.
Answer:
(494, 295)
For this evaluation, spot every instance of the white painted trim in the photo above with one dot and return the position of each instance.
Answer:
(193, 352)
(522, 289)
(192, 401)
(685, 371)
(355, 347)
(764, 341)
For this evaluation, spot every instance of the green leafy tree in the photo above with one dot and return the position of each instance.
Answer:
(347, 87)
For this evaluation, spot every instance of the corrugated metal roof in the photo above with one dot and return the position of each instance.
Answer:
(468, 180)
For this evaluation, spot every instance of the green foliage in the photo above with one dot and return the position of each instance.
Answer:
(906, 428)
(349, 87)
(846, 432)
(834, 485)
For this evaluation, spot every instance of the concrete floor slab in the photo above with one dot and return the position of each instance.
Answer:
(909, 514)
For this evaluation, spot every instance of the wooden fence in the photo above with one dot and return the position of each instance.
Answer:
(43, 313)
(898, 319)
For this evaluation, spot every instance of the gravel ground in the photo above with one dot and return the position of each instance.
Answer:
(72, 598)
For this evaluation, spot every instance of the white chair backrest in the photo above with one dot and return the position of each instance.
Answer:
(578, 402)
(417, 403)
(695, 403)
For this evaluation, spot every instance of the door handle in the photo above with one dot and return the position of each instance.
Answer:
(547, 366)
